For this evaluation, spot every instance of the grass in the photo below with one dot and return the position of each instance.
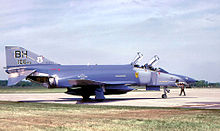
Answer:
(42, 116)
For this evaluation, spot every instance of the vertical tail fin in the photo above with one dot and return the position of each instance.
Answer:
(18, 56)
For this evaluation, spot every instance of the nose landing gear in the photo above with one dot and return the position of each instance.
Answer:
(164, 96)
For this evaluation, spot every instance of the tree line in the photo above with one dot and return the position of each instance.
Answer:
(3, 83)
(206, 84)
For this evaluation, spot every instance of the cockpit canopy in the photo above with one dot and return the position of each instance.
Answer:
(137, 58)
(149, 65)
(162, 70)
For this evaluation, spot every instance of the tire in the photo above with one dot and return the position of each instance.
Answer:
(164, 96)
(86, 97)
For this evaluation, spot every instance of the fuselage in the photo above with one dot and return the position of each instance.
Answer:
(109, 74)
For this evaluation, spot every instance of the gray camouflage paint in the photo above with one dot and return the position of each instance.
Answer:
(110, 79)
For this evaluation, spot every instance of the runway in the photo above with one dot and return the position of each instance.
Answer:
(195, 98)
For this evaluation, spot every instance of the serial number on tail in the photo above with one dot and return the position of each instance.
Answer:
(23, 62)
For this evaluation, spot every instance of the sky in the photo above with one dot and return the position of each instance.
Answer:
(184, 34)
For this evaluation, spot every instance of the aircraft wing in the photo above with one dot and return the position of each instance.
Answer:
(119, 82)
(80, 82)
(18, 75)
(111, 87)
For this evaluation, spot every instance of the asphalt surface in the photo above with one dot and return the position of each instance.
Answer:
(195, 98)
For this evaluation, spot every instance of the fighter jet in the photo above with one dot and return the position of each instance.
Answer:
(88, 80)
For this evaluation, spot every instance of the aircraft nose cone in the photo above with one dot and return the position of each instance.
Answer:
(190, 80)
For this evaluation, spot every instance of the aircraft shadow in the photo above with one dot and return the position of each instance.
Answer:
(112, 100)
(80, 101)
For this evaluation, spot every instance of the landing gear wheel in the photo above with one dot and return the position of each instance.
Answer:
(164, 96)
(86, 97)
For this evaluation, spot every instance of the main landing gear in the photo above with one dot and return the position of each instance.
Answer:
(86, 97)
(164, 96)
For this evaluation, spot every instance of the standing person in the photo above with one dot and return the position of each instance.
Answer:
(182, 89)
